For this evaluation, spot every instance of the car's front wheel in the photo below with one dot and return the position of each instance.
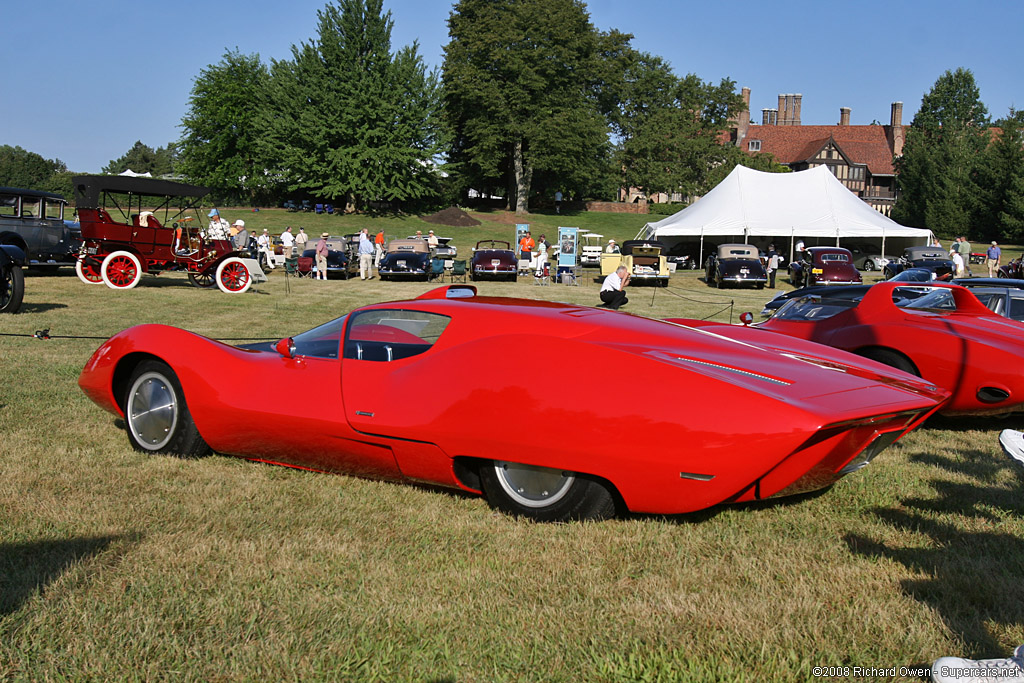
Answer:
(12, 288)
(156, 415)
(869, 265)
(545, 494)
(121, 270)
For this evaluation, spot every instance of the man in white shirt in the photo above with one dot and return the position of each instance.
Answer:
(219, 228)
(287, 241)
(612, 295)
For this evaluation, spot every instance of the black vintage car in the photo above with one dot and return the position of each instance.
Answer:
(737, 264)
(12, 280)
(493, 259)
(342, 254)
(407, 259)
(34, 222)
(934, 259)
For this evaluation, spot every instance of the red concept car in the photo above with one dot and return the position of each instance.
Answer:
(946, 336)
(407, 391)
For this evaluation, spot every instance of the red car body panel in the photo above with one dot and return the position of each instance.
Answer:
(755, 421)
(966, 351)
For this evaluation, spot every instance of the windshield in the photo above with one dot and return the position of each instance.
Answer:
(935, 300)
(322, 341)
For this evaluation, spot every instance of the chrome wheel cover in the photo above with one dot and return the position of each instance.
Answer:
(531, 486)
(152, 411)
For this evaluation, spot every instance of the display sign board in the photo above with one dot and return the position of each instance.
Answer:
(521, 230)
(568, 245)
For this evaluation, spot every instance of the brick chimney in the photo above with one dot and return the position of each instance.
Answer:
(796, 108)
(895, 132)
(782, 110)
(742, 120)
(844, 116)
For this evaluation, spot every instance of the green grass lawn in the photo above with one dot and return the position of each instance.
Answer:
(118, 565)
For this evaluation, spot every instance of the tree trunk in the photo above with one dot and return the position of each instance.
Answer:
(350, 202)
(523, 176)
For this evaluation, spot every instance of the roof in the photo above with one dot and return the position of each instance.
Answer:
(31, 193)
(867, 145)
(89, 188)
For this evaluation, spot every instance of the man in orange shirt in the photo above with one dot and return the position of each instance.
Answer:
(526, 245)
(378, 247)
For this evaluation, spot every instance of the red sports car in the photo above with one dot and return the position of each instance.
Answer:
(408, 391)
(946, 336)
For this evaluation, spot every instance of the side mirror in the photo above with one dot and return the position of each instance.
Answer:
(286, 347)
(746, 318)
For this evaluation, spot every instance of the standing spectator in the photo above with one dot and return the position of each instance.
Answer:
(965, 251)
(993, 255)
(263, 246)
(365, 256)
(526, 245)
(240, 239)
(612, 295)
(287, 241)
(218, 228)
(300, 241)
(773, 264)
(558, 201)
(378, 246)
(321, 256)
(958, 262)
(542, 254)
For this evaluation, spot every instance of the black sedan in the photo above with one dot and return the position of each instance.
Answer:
(934, 259)
(736, 264)
(406, 259)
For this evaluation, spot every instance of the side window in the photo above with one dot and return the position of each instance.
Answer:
(392, 334)
(52, 209)
(320, 342)
(8, 205)
(1016, 308)
(31, 207)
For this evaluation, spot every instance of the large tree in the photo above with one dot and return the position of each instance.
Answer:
(1001, 180)
(220, 147)
(348, 119)
(944, 145)
(142, 158)
(21, 168)
(521, 90)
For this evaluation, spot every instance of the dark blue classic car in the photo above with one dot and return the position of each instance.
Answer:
(34, 222)
(736, 264)
(406, 259)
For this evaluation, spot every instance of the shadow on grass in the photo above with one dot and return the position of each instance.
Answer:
(29, 567)
(40, 308)
(969, 572)
(710, 513)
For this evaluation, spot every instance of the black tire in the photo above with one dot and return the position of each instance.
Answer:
(893, 359)
(543, 494)
(203, 280)
(157, 418)
(869, 265)
(12, 289)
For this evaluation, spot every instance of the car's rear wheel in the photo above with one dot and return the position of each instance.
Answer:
(233, 276)
(891, 358)
(203, 280)
(121, 270)
(88, 273)
(156, 415)
(545, 494)
(12, 288)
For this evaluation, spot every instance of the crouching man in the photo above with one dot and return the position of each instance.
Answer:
(612, 294)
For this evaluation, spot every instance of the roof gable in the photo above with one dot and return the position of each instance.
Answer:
(868, 145)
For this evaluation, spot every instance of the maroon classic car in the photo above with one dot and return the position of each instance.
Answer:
(494, 259)
(824, 266)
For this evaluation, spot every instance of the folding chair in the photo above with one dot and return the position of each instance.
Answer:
(319, 208)
(458, 271)
(436, 269)
(304, 266)
(291, 265)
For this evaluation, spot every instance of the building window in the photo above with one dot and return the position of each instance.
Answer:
(754, 145)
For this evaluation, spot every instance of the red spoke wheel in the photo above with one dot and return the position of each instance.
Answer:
(88, 273)
(233, 276)
(121, 270)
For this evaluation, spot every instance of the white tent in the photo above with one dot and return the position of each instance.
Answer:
(810, 205)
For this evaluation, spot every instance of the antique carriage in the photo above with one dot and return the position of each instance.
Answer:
(132, 226)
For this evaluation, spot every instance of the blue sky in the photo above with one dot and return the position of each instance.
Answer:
(86, 80)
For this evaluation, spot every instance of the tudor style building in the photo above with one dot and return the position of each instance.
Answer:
(859, 156)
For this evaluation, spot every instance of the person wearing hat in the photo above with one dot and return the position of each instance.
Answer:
(218, 229)
(431, 240)
(263, 246)
(300, 241)
(612, 248)
(993, 255)
(321, 256)
(240, 239)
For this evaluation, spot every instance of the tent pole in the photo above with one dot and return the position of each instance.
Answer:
(700, 251)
